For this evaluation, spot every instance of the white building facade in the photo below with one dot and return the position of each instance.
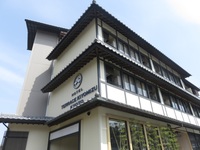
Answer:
(101, 86)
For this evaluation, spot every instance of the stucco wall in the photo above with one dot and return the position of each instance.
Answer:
(33, 101)
(82, 41)
(63, 93)
(37, 138)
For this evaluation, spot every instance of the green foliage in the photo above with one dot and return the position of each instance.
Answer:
(169, 138)
(153, 137)
(137, 136)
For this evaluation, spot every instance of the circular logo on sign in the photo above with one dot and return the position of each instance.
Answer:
(78, 81)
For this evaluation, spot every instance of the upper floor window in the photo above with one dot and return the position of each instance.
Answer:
(153, 93)
(166, 74)
(123, 47)
(175, 102)
(109, 39)
(196, 110)
(134, 54)
(113, 75)
(116, 77)
(129, 83)
(145, 61)
(158, 69)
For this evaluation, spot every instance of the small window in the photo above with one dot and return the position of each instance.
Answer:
(177, 81)
(171, 77)
(109, 39)
(181, 106)
(174, 102)
(196, 111)
(165, 73)
(166, 98)
(144, 90)
(132, 84)
(141, 88)
(126, 82)
(157, 68)
(145, 61)
(113, 75)
(187, 107)
(134, 54)
(153, 94)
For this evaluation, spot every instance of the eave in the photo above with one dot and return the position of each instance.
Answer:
(95, 11)
(191, 85)
(5, 118)
(99, 49)
(33, 27)
(101, 102)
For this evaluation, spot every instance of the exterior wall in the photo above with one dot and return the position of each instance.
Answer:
(66, 92)
(82, 41)
(184, 141)
(37, 138)
(135, 100)
(94, 126)
(33, 101)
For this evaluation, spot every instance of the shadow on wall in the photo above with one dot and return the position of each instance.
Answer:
(37, 101)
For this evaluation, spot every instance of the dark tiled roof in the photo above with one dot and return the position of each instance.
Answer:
(100, 49)
(10, 118)
(96, 11)
(191, 85)
(33, 26)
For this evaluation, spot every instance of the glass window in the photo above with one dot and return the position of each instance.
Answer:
(157, 68)
(126, 82)
(132, 84)
(145, 61)
(113, 75)
(153, 138)
(171, 77)
(118, 135)
(181, 106)
(166, 98)
(134, 54)
(165, 73)
(153, 94)
(126, 50)
(109, 39)
(196, 111)
(137, 136)
(187, 107)
(174, 102)
(194, 139)
(122, 47)
(177, 81)
(144, 89)
(139, 87)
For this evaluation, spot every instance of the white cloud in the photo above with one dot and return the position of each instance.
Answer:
(189, 10)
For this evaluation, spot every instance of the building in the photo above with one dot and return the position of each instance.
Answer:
(101, 87)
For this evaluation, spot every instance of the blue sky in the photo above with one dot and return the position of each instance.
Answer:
(172, 26)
